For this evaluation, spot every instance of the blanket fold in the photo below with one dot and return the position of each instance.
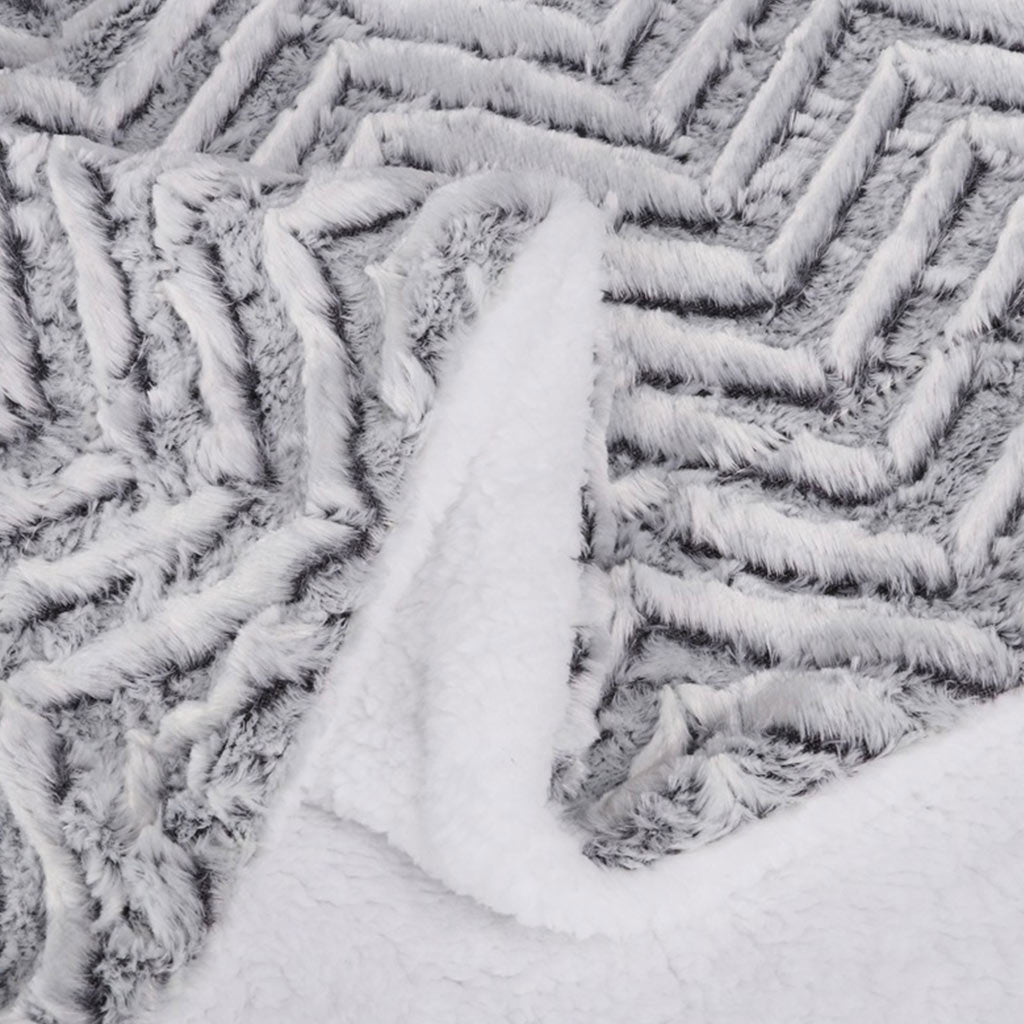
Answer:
(444, 708)
(533, 452)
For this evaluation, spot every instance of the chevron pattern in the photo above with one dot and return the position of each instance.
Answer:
(237, 243)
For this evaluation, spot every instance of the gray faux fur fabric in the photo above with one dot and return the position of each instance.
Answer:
(233, 264)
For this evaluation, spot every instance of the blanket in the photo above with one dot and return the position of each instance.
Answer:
(552, 437)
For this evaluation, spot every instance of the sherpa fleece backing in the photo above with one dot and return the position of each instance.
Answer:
(577, 441)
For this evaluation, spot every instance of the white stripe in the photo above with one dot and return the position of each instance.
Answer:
(997, 285)
(327, 370)
(18, 344)
(705, 54)
(776, 540)
(661, 343)
(622, 30)
(28, 752)
(259, 35)
(840, 471)
(975, 19)
(458, 142)
(683, 273)
(824, 632)
(814, 220)
(18, 48)
(152, 540)
(802, 55)
(897, 264)
(349, 199)
(991, 507)
(188, 627)
(90, 478)
(102, 303)
(506, 85)
(497, 28)
(131, 80)
(689, 431)
(934, 400)
(970, 73)
(295, 128)
(230, 448)
(52, 103)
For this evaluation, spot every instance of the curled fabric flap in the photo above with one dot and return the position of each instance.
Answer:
(443, 710)
(445, 705)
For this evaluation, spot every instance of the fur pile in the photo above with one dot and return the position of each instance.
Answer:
(245, 248)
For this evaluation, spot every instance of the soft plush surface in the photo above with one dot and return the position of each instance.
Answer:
(891, 897)
(550, 435)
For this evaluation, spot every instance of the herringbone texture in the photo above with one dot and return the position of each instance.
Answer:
(238, 241)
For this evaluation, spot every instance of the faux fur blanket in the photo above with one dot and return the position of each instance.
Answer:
(548, 435)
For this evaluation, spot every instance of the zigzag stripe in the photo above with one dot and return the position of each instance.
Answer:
(939, 391)
(804, 51)
(295, 129)
(825, 632)
(18, 345)
(268, 651)
(652, 270)
(775, 541)
(153, 540)
(111, 334)
(973, 19)
(897, 264)
(813, 220)
(461, 141)
(33, 774)
(668, 518)
(260, 34)
(659, 343)
(154, 869)
(998, 285)
(839, 471)
(705, 55)
(132, 80)
(230, 449)
(455, 79)
(494, 28)
(344, 201)
(925, 417)
(327, 370)
(994, 504)
(91, 478)
(87, 893)
(18, 48)
(188, 628)
(980, 73)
